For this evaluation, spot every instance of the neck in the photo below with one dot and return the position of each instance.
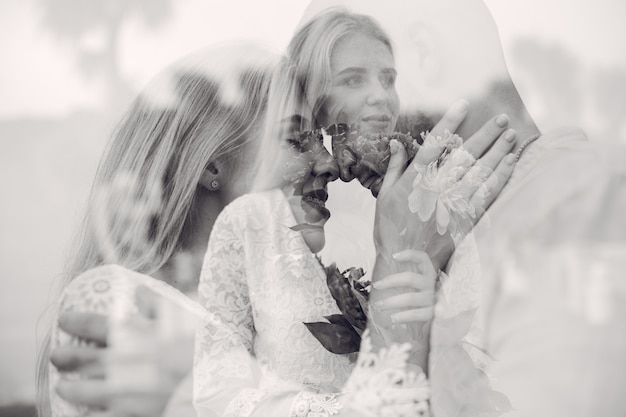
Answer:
(207, 207)
(502, 100)
(183, 269)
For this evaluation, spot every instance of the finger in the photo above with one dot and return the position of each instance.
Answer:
(397, 165)
(476, 177)
(417, 257)
(411, 255)
(495, 183)
(88, 326)
(416, 314)
(503, 146)
(449, 122)
(407, 300)
(405, 279)
(87, 361)
(91, 393)
(134, 405)
(452, 119)
(485, 137)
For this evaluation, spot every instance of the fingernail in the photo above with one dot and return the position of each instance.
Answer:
(509, 159)
(376, 284)
(502, 120)
(395, 255)
(393, 146)
(509, 135)
(461, 105)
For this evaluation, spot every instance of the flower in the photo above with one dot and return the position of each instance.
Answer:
(444, 187)
(371, 150)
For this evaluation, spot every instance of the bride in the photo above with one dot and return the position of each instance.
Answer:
(261, 280)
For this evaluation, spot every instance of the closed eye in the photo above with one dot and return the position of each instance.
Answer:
(355, 81)
(388, 78)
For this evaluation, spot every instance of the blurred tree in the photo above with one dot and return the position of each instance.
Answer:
(82, 21)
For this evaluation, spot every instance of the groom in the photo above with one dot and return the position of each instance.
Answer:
(530, 316)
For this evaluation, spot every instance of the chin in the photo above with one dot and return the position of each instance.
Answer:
(316, 240)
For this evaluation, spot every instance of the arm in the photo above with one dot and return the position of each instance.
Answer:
(398, 227)
(80, 349)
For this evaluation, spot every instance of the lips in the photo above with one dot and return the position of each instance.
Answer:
(314, 205)
(382, 118)
(375, 123)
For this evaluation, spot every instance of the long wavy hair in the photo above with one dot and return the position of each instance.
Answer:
(209, 106)
(302, 80)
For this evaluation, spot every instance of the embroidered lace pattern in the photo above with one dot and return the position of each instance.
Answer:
(383, 384)
(261, 282)
(308, 404)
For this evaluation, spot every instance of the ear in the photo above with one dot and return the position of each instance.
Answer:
(210, 176)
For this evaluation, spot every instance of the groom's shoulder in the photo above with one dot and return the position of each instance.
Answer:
(565, 161)
(570, 148)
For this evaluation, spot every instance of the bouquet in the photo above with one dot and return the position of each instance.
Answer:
(350, 147)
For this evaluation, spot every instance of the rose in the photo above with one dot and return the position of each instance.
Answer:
(366, 151)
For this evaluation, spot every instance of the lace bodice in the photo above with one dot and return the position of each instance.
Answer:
(260, 282)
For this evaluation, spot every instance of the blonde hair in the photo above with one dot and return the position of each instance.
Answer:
(206, 107)
(303, 78)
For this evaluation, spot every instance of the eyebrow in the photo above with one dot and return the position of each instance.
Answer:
(360, 70)
(390, 71)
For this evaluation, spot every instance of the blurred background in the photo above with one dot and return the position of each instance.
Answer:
(71, 66)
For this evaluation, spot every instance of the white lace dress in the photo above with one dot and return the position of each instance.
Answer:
(259, 283)
(109, 290)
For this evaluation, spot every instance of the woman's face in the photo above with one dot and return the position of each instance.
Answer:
(363, 87)
(307, 168)
(363, 92)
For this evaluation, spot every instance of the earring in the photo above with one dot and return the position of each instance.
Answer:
(214, 186)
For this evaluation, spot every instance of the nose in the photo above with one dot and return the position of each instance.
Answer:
(377, 93)
(325, 165)
(345, 161)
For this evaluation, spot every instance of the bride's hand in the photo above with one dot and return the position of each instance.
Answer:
(417, 302)
(479, 145)
(490, 146)
(94, 389)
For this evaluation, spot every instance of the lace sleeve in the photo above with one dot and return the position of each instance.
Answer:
(223, 377)
(93, 291)
(228, 381)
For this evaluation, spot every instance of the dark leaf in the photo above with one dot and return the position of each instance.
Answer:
(338, 319)
(305, 226)
(346, 300)
(335, 338)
